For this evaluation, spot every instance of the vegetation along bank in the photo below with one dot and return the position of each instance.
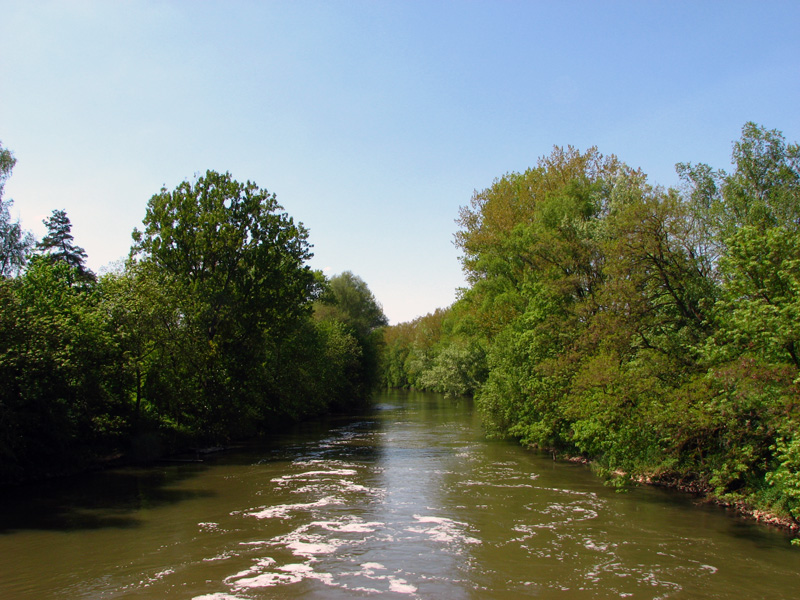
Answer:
(214, 329)
(655, 332)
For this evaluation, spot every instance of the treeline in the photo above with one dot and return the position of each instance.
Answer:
(654, 331)
(214, 329)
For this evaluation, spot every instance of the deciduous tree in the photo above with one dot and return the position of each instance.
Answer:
(237, 265)
(14, 242)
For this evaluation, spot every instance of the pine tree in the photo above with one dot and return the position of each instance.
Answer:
(59, 246)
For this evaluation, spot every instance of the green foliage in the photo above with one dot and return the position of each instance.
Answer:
(14, 242)
(61, 398)
(234, 269)
(227, 243)
(348, 302)
(7, 162)
(652, 331)
(521, 395)
(455, 371)
(786, 476)
(323, 370)
(436, 352)
(760, 306)
(204, 335)
(58, 245)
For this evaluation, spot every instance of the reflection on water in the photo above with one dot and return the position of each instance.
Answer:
(407, 502)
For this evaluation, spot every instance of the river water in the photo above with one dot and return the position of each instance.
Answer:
(409, 501)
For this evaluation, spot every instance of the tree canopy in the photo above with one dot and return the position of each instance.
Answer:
(652, 331)
(205, 334)
(14, 242)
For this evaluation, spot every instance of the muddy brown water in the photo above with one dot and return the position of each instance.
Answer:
(408, 501)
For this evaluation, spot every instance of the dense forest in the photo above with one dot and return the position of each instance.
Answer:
(214, 329)
(655, 332)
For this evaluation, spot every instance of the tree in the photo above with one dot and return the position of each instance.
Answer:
(7, 162)
(535, 225)
(228, 242)
(143, 312)
(58, 245)
(14, 242)
(61, 401)
(762, 192)
(236, 265)
(753, 216)
(349, 301)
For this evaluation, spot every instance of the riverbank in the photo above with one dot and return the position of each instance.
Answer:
(704, 494)
(410, 499)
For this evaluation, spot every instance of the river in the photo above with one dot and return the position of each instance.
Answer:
(409, 501)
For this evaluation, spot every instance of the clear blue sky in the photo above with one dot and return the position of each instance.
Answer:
(372, 121)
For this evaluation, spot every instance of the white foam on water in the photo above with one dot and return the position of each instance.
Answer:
(350, 486)
(217, 596)
(157, 577)
(305, 571)
(588, 495)
(296, 568)
(314, 475)
(256, 577)
(444, 530)
(561, 514)
(337, 486)
(590, 544)
(310, 549)
(255, 543)
(311, 542)
(221, 556)
(282, 510)
(304, 542)
(261, 564)
(401, 586)
(267, 580)
(709, 568)
(351, 525)
(398, 585)
(527, 531)
(326, 462)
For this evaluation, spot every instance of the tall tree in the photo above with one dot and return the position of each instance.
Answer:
(14, 242)
(237, 266)
(59, 245)
(349, 301)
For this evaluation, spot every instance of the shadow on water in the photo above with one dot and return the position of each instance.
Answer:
(108, 499)
(406, 496)
(335, 438)
(115, 498)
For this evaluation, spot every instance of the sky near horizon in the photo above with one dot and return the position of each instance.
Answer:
(372, 121)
